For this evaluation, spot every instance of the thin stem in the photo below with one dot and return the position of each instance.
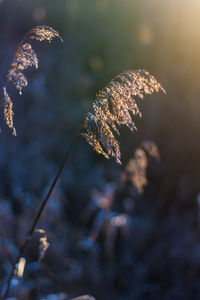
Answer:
(37, 217)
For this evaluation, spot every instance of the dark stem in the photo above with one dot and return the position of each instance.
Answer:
(37, 217)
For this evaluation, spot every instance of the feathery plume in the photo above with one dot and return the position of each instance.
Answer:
(24, 57)
(43, 33)
(8, 111)
(135, 171)
(113, 107)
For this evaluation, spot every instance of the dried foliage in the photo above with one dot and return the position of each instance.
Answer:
(117, 244)
(111, 219)
(43, 33)
(24, 57)
(8, 111)
(135, 170)
(113, 107)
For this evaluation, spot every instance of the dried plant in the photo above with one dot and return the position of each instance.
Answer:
(24, 57)
(8, 111)
(113, 107)
(135, 171)
(43, 243)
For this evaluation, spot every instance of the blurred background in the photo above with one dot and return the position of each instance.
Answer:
(114, 232)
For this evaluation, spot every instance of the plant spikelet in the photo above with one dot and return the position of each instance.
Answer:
(25, 57)
(135, 171)
(8, 111)
(114, 106)
(43, 33)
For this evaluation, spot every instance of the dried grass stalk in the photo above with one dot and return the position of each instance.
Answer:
(114, 106)
(24, 57)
